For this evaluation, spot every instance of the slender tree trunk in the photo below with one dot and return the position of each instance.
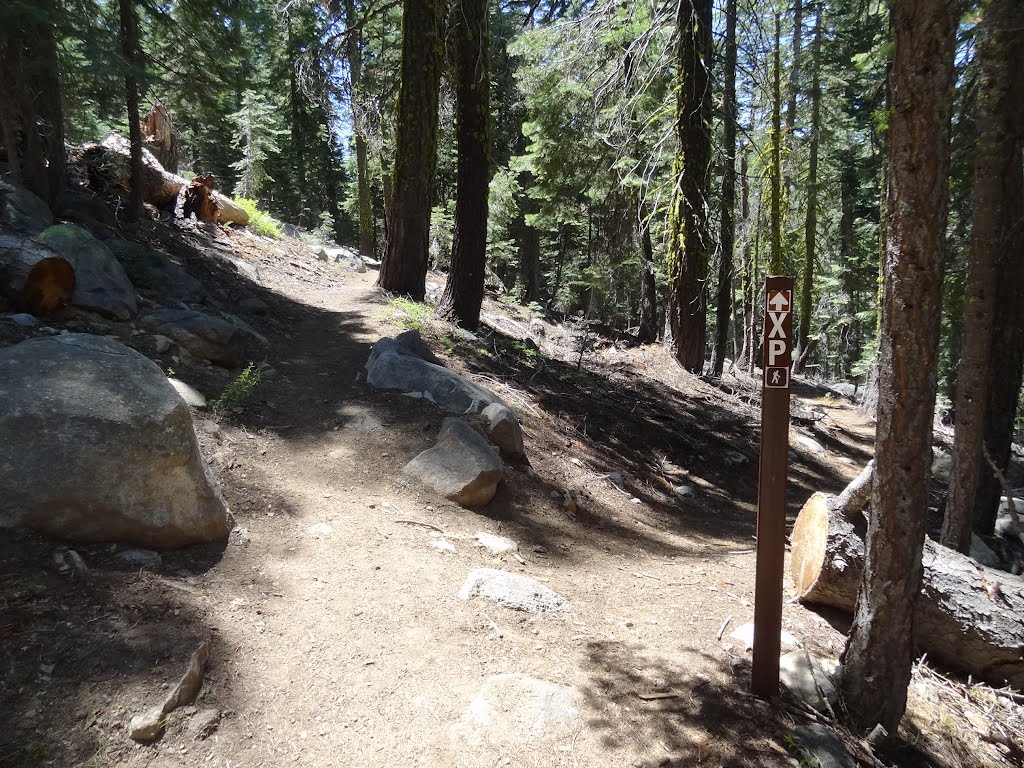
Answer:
(130, 49)
(879, 653)
(794, 72)
(811, 222)
(464, 290)
(297, 134)
(724, 309)
(747, 277)
(847, 187)
(689, 238)
(648, 331)
(775, 260)
(364, 195)
(404, 268)
(563, 248)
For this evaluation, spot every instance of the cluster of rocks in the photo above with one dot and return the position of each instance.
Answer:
(345, 257)
(465, 465)
(106, 276)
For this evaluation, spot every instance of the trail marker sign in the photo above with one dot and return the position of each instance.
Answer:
(771, 489)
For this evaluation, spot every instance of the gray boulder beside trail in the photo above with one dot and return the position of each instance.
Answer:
(21, 211)
(400, 364)
(503, 430)
(204, 336)
(512, 590)
(101, 283)
(462, 467)
(98, 446)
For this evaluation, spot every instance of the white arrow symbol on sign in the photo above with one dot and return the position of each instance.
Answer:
(779, 301)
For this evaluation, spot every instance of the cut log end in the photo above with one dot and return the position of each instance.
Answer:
(49, 286)
(808, 544)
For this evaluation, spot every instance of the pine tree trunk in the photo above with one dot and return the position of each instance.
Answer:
(775, 260)
(879, 653)
(464, 289)
(998, 163)
(31, 98)
(648, 330)
(130, 49)
(297, 134)
(746, 270)
(364, 201)
(811, 221)
(689, 238)
(404, 267)
(1008, 344)
(724, 309)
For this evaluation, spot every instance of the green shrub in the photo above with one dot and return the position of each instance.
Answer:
(238, 392)
(259, 222)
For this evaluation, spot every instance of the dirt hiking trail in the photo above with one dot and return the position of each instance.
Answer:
(337, 637)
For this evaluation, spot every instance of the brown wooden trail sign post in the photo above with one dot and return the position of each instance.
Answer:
(771, 489)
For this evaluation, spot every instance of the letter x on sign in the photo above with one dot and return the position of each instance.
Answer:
(776, 372)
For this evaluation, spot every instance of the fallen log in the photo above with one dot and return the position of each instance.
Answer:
(110, 159)
(37, 279)
(968, 617)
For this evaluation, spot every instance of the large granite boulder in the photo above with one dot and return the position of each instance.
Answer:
(462, 467)
(98, 446)
(202, 335)
(101, 283)
(152, 271)
(408, 365)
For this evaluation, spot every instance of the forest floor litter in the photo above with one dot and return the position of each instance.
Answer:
(336, 631)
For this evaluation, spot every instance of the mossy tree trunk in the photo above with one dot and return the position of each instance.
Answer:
(464, 290)
(879, 653)
(689, 244)
(404, 267)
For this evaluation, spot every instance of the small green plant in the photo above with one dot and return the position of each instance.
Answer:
(406, 312)
(238, 391)
(324, 232)
(259, 222)
(803, 756)
(524, 349)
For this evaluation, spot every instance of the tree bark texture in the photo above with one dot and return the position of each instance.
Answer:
(464, 289)
(775, 260)
(966, 617)
(689, 238)
(811, 220)
(747, 265)
(879, 653)
(404, 267)
(997, 172)
(130, 50)
(723, 312)
(355, 70)
(30, 101)
(1008, 344)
